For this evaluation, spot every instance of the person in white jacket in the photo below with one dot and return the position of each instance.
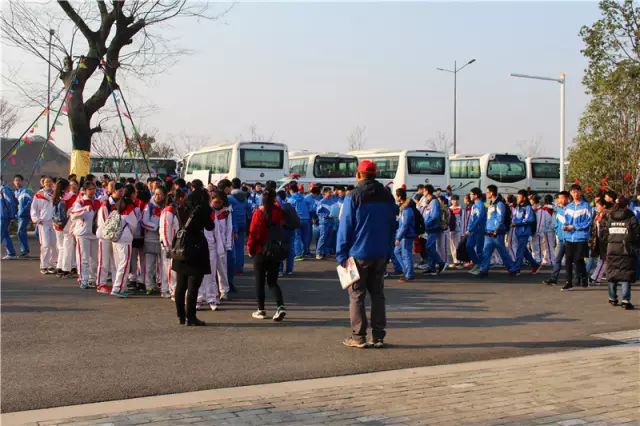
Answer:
(83, 214)
(63, 199)
(42, 217)
(152, 247)
(220, 240)
(122, 248)
(543, 224)
(106, 264)
(168, 229)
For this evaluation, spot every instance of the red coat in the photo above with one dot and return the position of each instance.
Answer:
(259, 232)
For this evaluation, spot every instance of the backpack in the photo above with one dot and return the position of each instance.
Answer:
(181, 247)
(445, 217)
(276, 248)
(419, 220)
(60, 217)
(112, 228)
(291, 218)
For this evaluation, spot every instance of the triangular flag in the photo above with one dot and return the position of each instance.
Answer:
(26, 139)
(126, 115)
(15, 152)
(58, 123)
(4, 163)
(11, 159)
(53, 129)
(35, 125)
(65, 108)
(82, 66)
(51, 138)
(42, 155)
(21, 143)
(33, 129)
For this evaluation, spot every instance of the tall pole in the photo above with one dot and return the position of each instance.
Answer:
(455, 110)
(562, 131)
(51, 33)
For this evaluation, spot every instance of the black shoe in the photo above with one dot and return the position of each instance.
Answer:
(376, 343)
(585, 283)
(182, 321)
(550, 281)
(627, 305)
(613, 302)
(430, 272)
(195, 322)
(59, 273)
(73, 271)
(132, 286)
(482, 275)
(567, 287)
(440, 268)
(24, 254)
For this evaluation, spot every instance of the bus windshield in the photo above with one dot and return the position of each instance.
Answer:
(386, 167)
(545, 170)
(261, 158)
(329, 167)
(426, 165)
(506, 169)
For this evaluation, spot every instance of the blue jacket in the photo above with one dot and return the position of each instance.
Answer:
(634, 206)
(580, 216)
(523, 217)
(478, 218)
(558, 217)
(495, 217)
(407, 223)
(302, 208)
(431, 215)
(240, 210)
(24, 197)
(255, 200)
(312, 203)
(323, 210)
(8, 203)
(367, 225)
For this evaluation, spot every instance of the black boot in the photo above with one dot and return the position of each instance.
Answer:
(195, 322)
(568, 286)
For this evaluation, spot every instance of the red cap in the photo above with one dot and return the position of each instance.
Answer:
(300, 187)
(367, 166)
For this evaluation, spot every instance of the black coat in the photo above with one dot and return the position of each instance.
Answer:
(622, 241)
(198, 264)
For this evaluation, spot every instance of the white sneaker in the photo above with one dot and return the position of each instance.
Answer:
(475, 270)
(223, 296)
(422, 266)
(259, 314)
(8, 257)
(280, 313)
(213, 306)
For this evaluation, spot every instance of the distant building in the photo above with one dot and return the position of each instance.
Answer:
(55, 162)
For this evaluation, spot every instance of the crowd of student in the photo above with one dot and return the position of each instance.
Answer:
(130, 252)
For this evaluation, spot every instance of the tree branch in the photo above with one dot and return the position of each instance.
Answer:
(82, 26)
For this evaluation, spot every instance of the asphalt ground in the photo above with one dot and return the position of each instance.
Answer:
(62, 345)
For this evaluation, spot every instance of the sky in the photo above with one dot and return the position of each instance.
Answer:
(307, 74)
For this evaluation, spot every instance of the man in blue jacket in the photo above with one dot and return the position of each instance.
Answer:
(24, 198)
(562, 199)
(577, 229)
(325, 224)
(475, 229)
(366, 232)
(433, 227)
(523, 220)
(303, 233)
(8, 209)
(406, 233)
(312, 199)
(239, 217)
(495, 231)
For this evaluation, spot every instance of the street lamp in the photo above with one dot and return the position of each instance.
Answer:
(560, 80)
(51, 33)
(455, 71)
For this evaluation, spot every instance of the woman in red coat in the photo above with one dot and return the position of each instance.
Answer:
(266, 270)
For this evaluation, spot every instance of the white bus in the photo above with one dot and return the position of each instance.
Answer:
(327, 168)
(543, 174)
(132, 167)
(408, 168)
(251, 162)
(507, 171)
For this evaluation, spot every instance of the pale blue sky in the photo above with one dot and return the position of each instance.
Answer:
(310, 72)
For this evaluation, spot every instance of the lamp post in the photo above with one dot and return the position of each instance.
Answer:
(455, 71)
(560, 80)
(51, 33)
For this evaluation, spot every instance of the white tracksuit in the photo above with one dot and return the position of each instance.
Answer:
(544, 222)
(82, 213)
(220, 240)
(122, 250)
(512, 240)
(168, 229)
(106, 263)
(42, 216)
(548, 250)
(65, 241)
(152, 261)
(454, 236)
(136, 267)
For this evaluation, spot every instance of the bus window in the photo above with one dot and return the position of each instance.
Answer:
(506, 169)
(327, 167)
(545, 170)
(464, 169)
(298, 166)
(386, 167)
(426, 165)
(261, 159)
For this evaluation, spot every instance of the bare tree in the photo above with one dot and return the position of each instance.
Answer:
(8, 117)
(357, 139)
(531, 147)
(254, 135)
(112, 36)
(440, 142)
(184, 143)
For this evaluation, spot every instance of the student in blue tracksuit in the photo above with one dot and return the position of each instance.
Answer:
(475, 228)
(432, 225)
(286, 267)
(325, 224)
(523, 218)
(303, 233)
(562, 199)
(239, 218)
(634, 206)
(255, 197)
(406, 233)
(495, 231)
(24, 198)
(577, 230)
(8, 209)
(312, 199)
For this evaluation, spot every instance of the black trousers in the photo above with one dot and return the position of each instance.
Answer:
(188, 284)
(266, 273)
(574, 255)
(372, 281)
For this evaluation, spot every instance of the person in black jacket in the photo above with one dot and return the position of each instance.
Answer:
(191, 272)
(623, 235)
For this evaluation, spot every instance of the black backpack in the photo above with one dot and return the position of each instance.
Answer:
(276, 248)
(184, 246)
(507, 214)
(291, 218)
(419, 220)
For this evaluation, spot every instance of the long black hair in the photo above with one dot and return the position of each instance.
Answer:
(61, 186)
(127, 198)
(268, 201)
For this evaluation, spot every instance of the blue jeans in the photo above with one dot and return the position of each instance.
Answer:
(315, 234)
(238, 251)
(303, 238)
(475, 242)
(523, 254)
(23, 222)
(626, 291)
(431, 251)
(324, 239)
(288, 267)
(557, 261)
(6, 239)
(495, 243)
(403, 258)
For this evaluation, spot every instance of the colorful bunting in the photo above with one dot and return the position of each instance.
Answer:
(33, 129)
(12, 160)
(26, 139)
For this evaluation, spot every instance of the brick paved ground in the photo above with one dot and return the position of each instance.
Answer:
(592, 386)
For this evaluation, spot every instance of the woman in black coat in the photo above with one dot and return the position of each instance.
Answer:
(622, 243)
(190, 272)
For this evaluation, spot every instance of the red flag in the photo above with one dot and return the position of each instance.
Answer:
(628, 176)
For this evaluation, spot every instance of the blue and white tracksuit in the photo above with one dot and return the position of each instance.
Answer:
(559, 222)
(312, 203)
(7, 214)
(303, 233)
(326, 225)
(432, 225)
(239, 218)
(24, 198)
(494, 237)
(406, 233)
(522, 219)
(476, 228)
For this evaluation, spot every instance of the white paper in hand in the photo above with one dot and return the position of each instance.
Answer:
(348, 275)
